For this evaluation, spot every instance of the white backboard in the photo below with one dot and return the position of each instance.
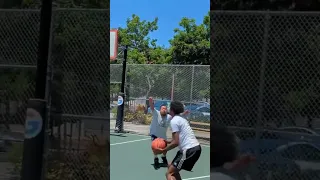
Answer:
(113, 44)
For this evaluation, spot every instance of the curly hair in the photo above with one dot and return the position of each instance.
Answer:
(176, 107)
(224, 146)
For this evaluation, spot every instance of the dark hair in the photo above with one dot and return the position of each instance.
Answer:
(224, 146)
(177, 107)
(163, 105)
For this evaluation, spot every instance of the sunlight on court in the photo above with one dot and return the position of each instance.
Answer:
(132, 158)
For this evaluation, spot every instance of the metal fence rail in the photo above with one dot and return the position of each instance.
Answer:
(186, 83)
(77, 91)
(265, 79)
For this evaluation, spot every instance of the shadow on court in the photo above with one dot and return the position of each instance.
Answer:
(132, 158)
(118, 135)
(161, 165)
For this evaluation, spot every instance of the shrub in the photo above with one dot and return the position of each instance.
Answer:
(15, 157)
(91, 163)
(140, 107)
(138, 117)
(114, 110)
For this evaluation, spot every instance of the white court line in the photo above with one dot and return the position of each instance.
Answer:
(126, 142)
(204, 145)
(199, 177)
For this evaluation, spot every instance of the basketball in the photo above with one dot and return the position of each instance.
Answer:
(158, 143)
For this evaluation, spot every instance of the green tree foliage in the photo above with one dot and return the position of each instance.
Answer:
(143, 49)
(191, 42)
(144, 80)
(90, 163)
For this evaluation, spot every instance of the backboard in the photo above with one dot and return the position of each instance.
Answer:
(113, 44)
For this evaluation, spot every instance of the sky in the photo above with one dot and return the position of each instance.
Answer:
(169, 13)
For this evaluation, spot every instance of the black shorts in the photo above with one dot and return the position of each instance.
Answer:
(187, 159)
(153, 137)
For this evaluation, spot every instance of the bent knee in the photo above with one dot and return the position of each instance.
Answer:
(171, 170)
(170, 174)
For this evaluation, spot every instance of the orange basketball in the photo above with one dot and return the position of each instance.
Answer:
(158, 143)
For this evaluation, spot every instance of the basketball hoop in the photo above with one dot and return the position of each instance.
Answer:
(113, 44)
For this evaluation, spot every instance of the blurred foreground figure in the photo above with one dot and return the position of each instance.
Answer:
(224, 154)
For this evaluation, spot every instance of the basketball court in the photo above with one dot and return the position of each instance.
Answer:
(132, 158)
(131, 155)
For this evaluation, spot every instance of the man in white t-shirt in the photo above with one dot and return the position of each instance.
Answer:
(158, 128)
(184, 137)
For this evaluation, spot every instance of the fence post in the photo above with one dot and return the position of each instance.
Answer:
(259, 123)
(192, 79)
(48, 98)
(33, 147)
(120, 111)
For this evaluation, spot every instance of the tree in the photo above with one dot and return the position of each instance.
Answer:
(145, 80)
(142, 49)
(191, 42)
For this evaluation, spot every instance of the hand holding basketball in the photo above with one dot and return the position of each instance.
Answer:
(158, 151)
(158, 145)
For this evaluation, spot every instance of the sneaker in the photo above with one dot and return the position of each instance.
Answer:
(156, 162)
(164, 160)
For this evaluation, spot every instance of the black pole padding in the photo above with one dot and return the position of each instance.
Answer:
(120, 111)
(33, 148)
(32, 162)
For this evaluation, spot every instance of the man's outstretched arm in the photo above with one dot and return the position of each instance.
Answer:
(151, 104)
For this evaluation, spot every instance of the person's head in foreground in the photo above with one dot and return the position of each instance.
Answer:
(224, 146)
(224, 154)
(176, 108)
(163, 110)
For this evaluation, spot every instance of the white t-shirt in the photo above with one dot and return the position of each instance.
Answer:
(159, 125)
(186, 135)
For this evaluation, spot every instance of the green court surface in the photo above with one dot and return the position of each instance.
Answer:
(132, 158)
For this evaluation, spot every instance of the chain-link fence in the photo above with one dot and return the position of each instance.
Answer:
(19, 31)
(186, 83)
(266, 87)
(77, 91)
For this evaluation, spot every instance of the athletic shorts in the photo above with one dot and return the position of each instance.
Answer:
(187, 159)
(153, 137)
